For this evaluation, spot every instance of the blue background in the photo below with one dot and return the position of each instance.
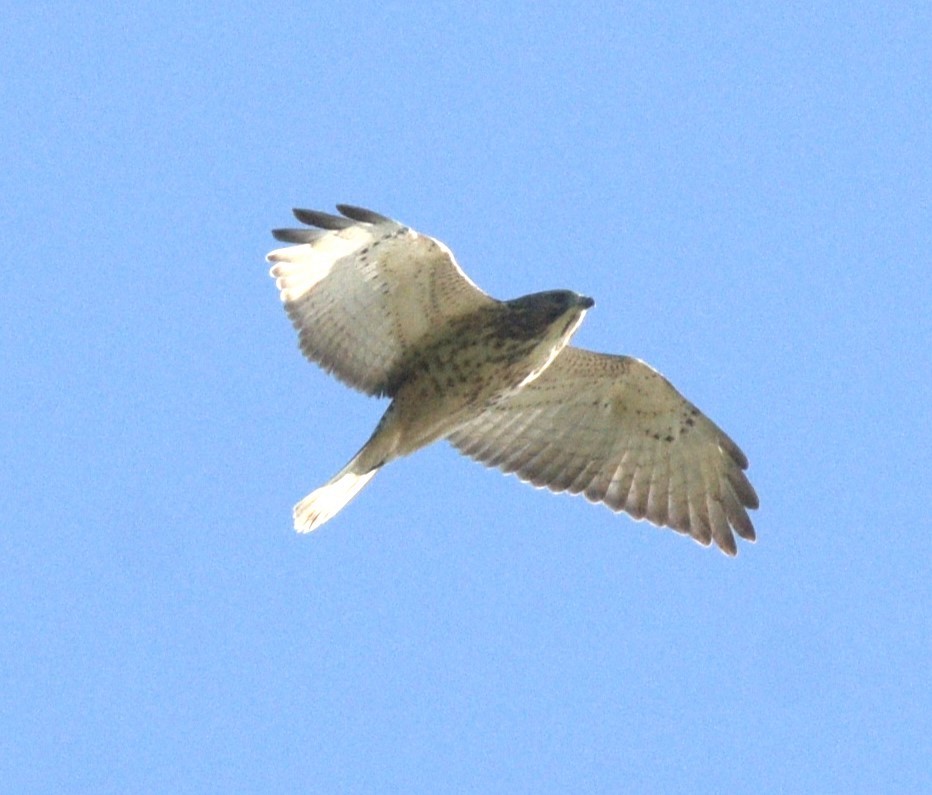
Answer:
(746, 191)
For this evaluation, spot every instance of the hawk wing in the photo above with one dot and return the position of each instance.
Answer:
(362, 289)
(615, 430)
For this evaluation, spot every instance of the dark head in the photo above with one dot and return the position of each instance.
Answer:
(557, 311)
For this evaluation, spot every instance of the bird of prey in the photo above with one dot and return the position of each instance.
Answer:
(388, 311)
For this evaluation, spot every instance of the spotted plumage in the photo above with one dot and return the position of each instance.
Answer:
(389, 312)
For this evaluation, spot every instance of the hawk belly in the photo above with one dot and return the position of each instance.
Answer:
(450, 379)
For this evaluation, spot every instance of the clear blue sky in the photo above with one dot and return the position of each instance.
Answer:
(747, 192)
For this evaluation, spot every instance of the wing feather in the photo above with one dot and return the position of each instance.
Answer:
(615, 430)
(362, 290)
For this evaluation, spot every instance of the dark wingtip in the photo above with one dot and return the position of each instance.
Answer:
(728, 545)
(362, 214)
(296, 235)
(321, 220)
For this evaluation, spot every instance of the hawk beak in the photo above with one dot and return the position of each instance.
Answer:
(586, 302)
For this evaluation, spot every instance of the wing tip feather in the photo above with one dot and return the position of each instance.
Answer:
(322, 220)
(362, 215)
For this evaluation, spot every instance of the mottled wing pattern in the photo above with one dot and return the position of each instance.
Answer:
(362, 289)
(615, 430)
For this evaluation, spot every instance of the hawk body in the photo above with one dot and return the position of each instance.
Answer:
(389, 312)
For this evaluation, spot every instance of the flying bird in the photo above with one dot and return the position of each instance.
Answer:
(388, 311)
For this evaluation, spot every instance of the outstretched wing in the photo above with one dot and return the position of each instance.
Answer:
(362, 289)
(615, 430)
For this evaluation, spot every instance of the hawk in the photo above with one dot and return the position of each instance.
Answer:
(388, 311)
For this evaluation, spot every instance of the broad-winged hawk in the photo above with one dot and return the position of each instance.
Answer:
(389, 312)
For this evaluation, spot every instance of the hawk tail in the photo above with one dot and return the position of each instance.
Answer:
(326, 502)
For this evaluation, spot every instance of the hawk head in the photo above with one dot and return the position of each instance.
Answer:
(554, 314)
